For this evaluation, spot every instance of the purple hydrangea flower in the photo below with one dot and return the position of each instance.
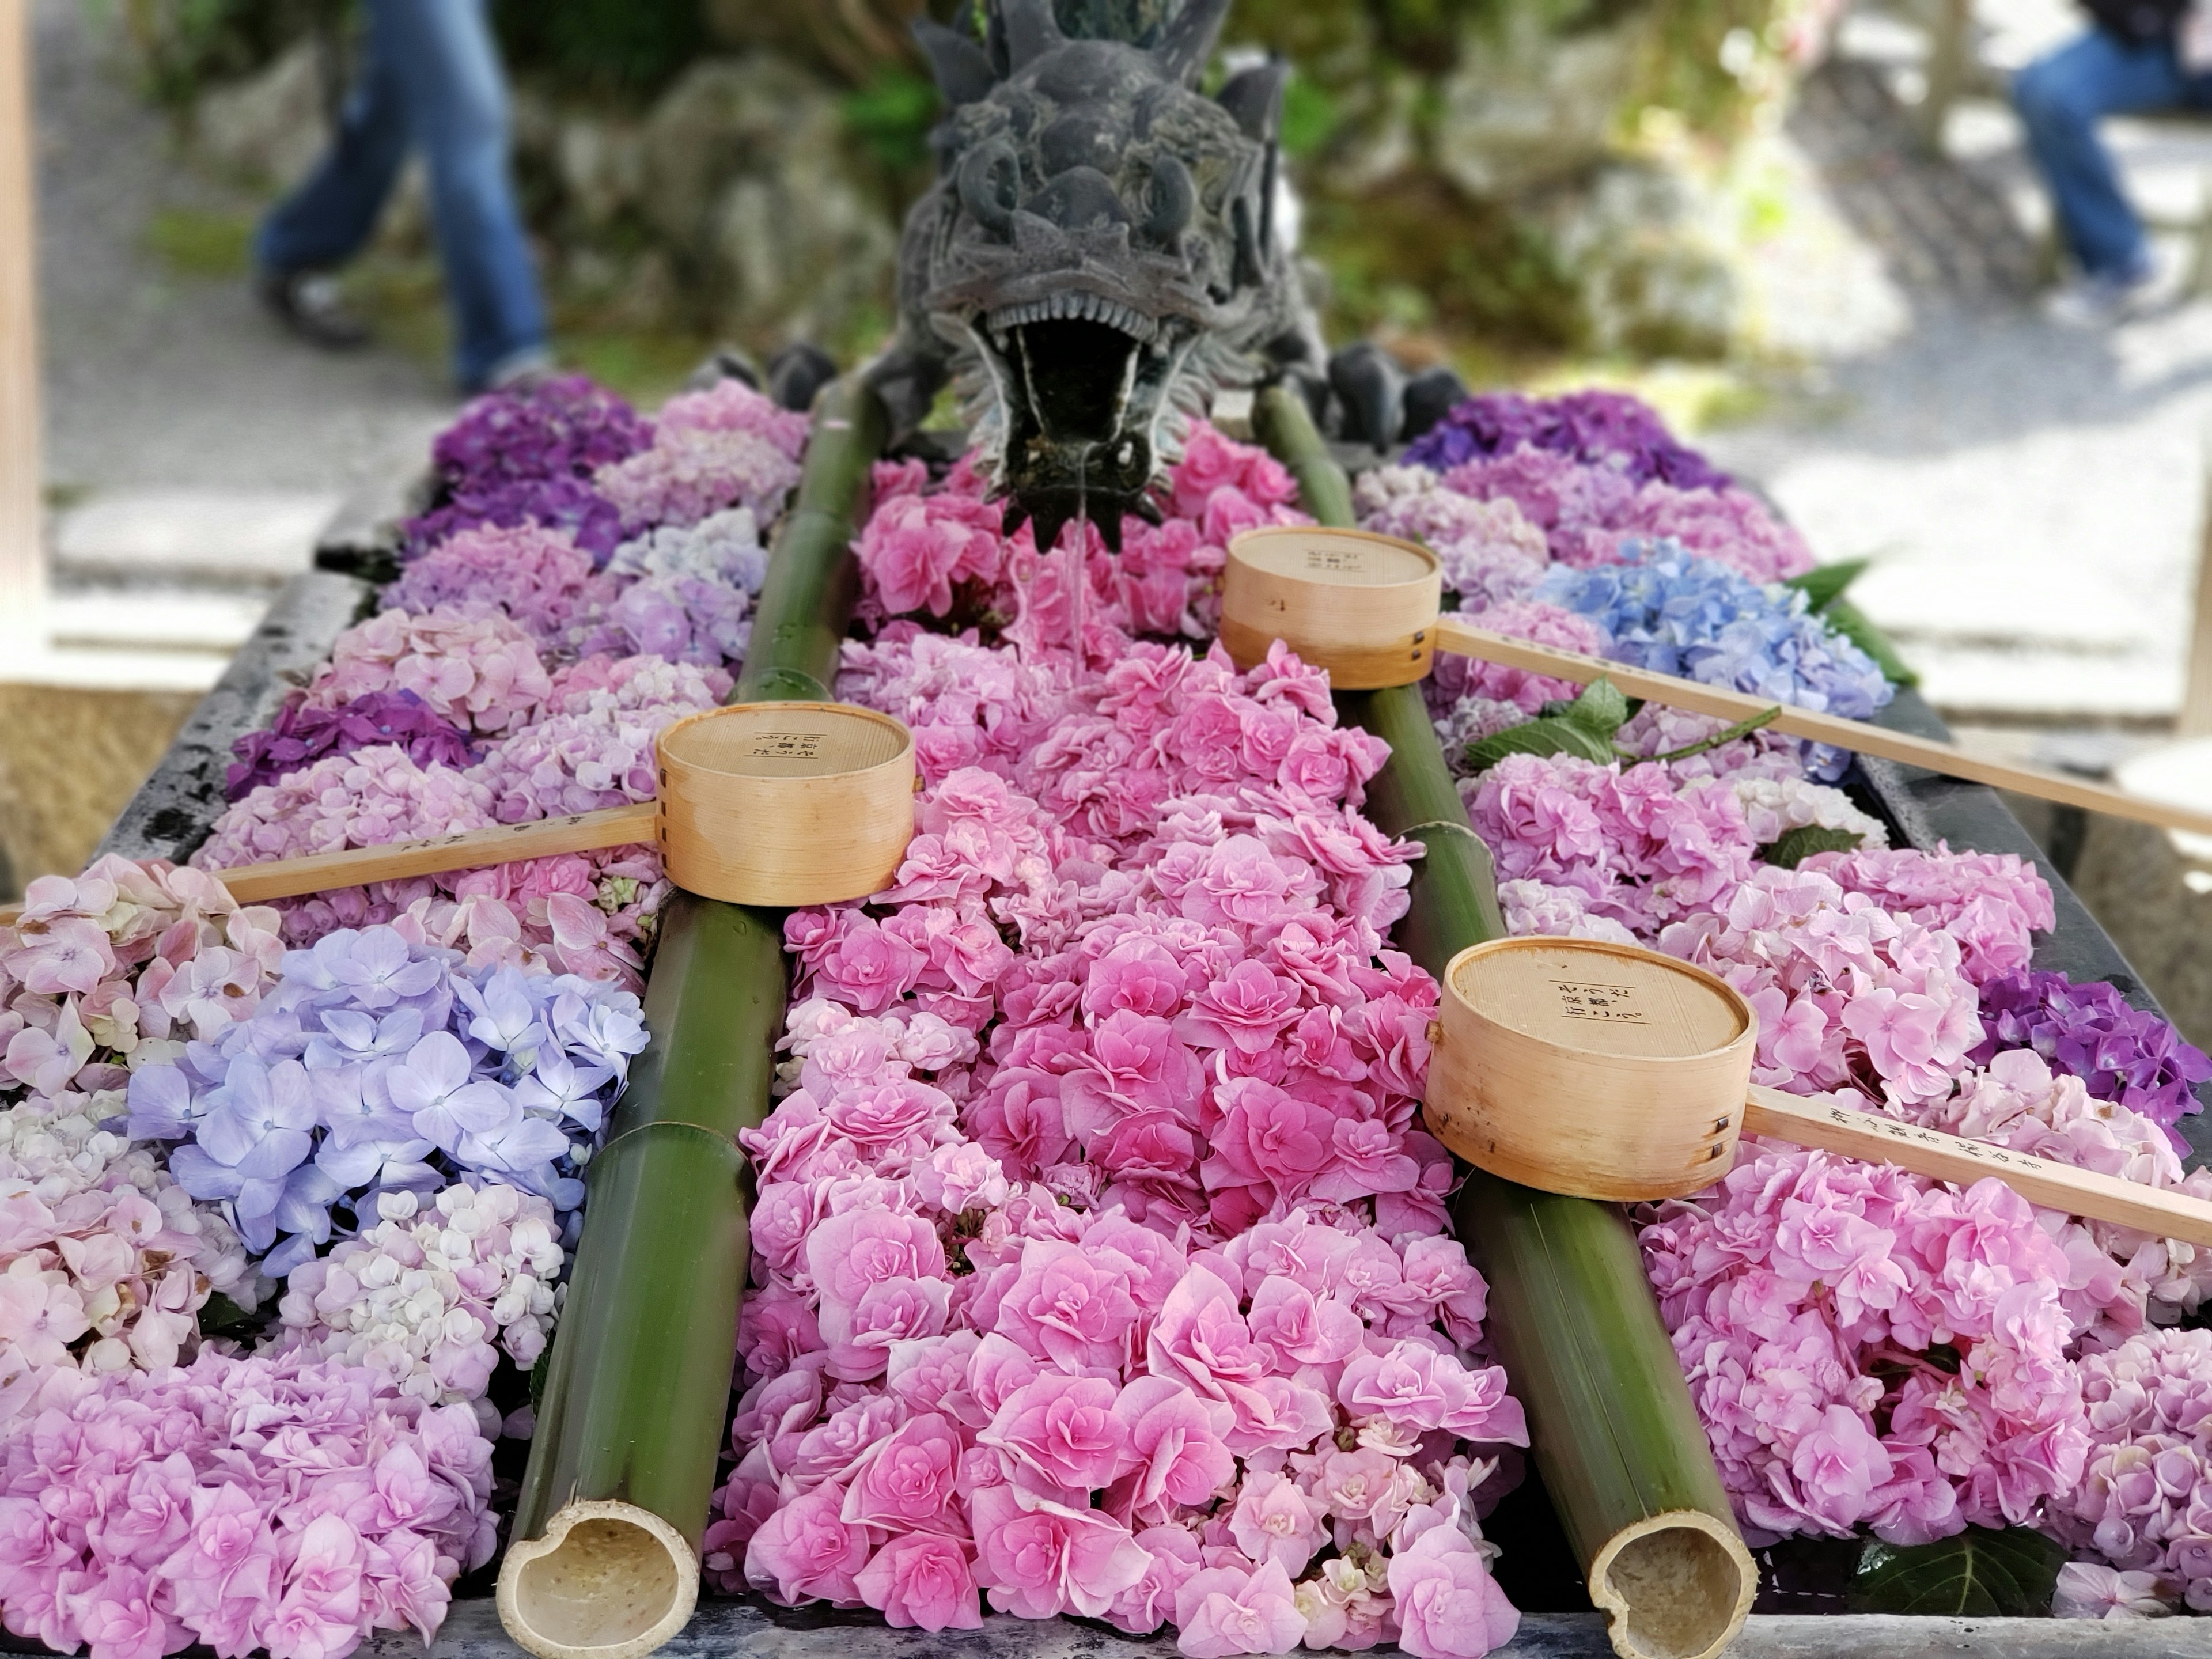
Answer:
(566, 427)
(302, 735)
(2120, 1053)
(1605, 428)
(563, 503)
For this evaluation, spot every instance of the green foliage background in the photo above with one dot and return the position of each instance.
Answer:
(1408, 257)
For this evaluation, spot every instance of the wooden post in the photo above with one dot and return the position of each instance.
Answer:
(22, 541)
(2195, 720)
(1950, 54)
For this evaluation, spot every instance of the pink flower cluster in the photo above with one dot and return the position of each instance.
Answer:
(250, 1505)
(598, 750)
(2145, 1498)
(1094, 1413)
(726, 446)
(1655, 729)
(367, 799)
(1640, 847)
(105, 1261)
(2117, 1279)
(1989, 901)
(1848, 995)
(537, 578)
(1455, 677)
(941, 551)
(576, 913)
(1101, 1271)
(1491, 554)
(1868, 1348)
(481, 672)
(123, 966)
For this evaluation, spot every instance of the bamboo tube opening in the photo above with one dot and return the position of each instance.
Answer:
(1674, 1586)
(607, 1581)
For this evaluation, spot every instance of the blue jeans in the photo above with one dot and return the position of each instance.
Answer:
(431, 77)
(2061, 98)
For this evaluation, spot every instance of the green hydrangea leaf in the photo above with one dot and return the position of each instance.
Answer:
(1824, 583)
(1979, 1573)
(1555, 736)
(1848, 620)
(1601, 710)
(222, 1315)
(1793, 847)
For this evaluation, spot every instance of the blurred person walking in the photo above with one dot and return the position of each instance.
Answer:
(2141, 56)
(431, 77)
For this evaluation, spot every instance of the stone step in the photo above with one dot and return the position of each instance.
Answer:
(257, 537)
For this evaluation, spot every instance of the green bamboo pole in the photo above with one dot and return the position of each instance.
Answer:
(604, 1561)
(1611, 1427)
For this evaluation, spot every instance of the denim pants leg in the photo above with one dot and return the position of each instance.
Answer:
(432, 77)
(446, 63)
(2061, 98)
(328, 219)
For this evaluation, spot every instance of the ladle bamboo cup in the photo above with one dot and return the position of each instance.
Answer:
(1610, 1072)
(775, 804)
(1860, 736)
(1363, 607)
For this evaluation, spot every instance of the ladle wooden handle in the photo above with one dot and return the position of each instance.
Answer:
(1858, 735)
(318, 872)
(1810, 1122)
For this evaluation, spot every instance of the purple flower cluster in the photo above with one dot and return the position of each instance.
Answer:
(375, 1067)
(249, 1504)
(302, 735)
(564, 428)
(526, 456)
(538, 578)
(592, 521)
(1603, 429)
(2122, 1053)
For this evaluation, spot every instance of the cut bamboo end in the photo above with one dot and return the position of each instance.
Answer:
(1674, 1586)
(609, 1580)
(1361, 605)
(780, 804)
(1596, 1070)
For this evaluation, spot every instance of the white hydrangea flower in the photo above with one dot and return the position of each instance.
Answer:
(1774, 806)
(426, 1293)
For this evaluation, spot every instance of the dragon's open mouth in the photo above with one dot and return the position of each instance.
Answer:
(1084, 382)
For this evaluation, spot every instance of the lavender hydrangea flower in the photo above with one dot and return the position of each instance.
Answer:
(1604, 429)
(379, 1064)
(302, 735)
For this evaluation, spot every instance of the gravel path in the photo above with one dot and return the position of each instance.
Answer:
(2030, 495)
(154, 379)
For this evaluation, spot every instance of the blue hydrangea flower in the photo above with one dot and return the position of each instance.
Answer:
(1668, 610)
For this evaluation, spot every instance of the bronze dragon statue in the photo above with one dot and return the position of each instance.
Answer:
(1103, 249)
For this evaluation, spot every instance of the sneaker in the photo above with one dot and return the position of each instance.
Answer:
(519, 371)
(2090, 301)
(314, 306)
